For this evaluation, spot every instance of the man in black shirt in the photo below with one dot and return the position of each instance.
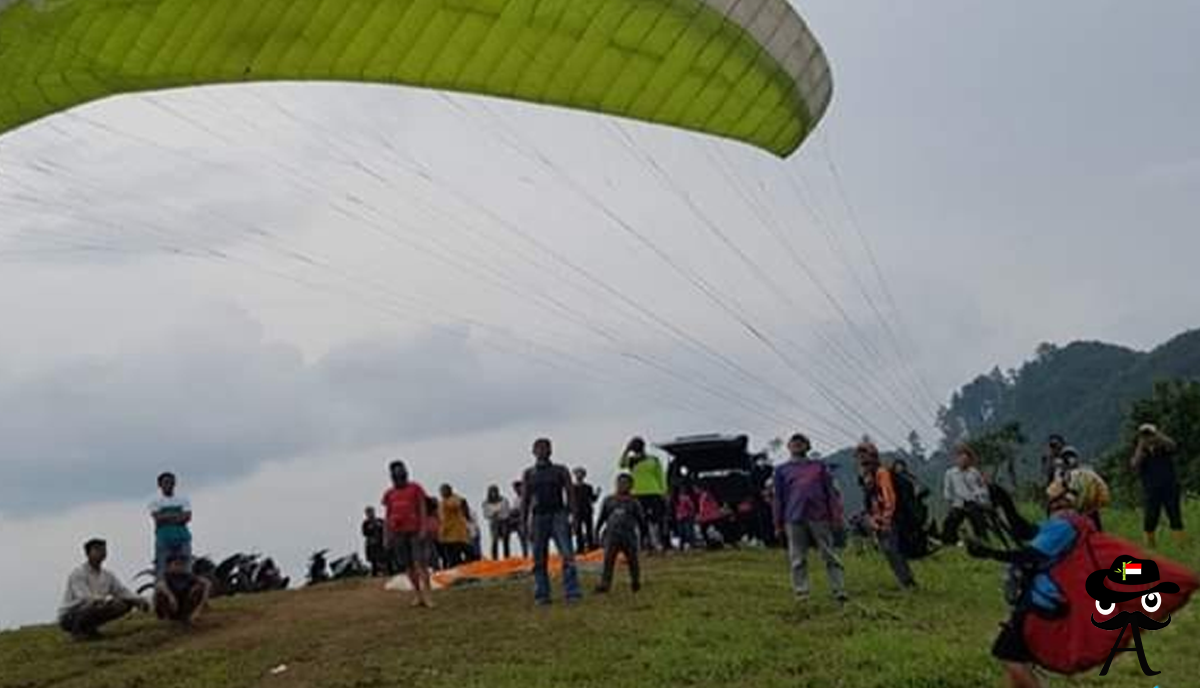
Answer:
(585, 500)
(547, 507)
(372, 532)
(180, 594)
(1154, 461)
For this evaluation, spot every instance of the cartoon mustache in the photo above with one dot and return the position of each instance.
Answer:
(1136, 618)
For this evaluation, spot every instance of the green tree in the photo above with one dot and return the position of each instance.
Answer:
(998, 451)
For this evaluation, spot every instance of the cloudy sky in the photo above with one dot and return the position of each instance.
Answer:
(274, 290)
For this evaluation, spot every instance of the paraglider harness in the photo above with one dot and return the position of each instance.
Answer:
(1039, 626)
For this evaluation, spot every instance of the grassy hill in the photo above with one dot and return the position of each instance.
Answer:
(719, 619)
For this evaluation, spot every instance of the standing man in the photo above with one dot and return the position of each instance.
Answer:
(1053, 463)
(585, 501)
(966, 495)
(407, 534)
(373, 530)
(650, 488)
(172, 514)
(620, 528)
(808, 508)
(546, 508)
(1154, 461)
(94, 596)
(879, 494)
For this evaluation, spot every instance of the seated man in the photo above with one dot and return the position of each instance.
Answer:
(94, 596)
(180, 594)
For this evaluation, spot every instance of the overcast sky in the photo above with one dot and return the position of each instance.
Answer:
(274, 290)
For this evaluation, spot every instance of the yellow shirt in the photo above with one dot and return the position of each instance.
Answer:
(452, 512)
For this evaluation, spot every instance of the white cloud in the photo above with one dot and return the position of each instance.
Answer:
(216, 399)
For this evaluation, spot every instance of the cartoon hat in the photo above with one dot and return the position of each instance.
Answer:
(1128, 575)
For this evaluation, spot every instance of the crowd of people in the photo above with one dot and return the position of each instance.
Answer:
(802, 500)
(550, 504)
(669, 516)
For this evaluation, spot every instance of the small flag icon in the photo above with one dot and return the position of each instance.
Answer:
(1128, 568)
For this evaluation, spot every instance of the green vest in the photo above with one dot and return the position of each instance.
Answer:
(648, 476)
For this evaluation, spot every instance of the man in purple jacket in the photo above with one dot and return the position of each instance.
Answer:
(808, 507)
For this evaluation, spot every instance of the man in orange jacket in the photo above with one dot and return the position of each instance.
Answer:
(879, 496)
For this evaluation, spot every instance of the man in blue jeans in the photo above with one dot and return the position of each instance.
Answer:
(547, 507)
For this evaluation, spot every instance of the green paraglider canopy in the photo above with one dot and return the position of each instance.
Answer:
(748, 70)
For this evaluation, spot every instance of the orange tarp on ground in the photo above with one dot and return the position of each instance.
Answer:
(488, 569)
(492, 571)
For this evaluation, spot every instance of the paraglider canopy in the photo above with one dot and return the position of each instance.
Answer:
(748, 70)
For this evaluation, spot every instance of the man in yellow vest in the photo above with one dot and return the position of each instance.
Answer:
(650, 489)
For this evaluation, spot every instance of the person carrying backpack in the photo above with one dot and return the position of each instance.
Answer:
(879, 496)
(1036, 591)
(1052, 623)
(808, 509)
(912, 513)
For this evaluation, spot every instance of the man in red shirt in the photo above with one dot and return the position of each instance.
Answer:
(408, 541)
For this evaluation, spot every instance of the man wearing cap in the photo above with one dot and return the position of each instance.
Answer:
(1154, 461)
(1124, 581)
(808, 507)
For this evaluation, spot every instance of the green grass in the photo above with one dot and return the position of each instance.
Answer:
(722, 619)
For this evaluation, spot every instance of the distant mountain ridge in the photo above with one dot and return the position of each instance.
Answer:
(1083, 391)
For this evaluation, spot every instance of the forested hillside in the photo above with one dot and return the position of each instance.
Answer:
(1084, 390)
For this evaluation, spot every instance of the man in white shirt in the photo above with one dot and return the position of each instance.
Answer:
(966, 495)
(172, 514)
(94, 596)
